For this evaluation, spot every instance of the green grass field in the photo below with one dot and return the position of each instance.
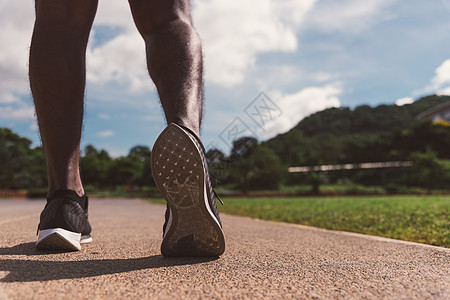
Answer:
(423, 219)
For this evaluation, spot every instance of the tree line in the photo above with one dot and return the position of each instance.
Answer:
(23, 167)
(333, 136)
(371, 134)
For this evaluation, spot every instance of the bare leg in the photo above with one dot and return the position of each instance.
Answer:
(57, 79)
(174, 57)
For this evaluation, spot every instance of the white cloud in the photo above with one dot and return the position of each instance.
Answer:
(324, 76)
(234, 32)
(106, 133)
(442, 75)
(440, 83)
(114, 13)
(403, 101)
(104, 116)
(21, 112)
(444, 91)
(349, 16)
(298, 105)
(7, 97)
(16, 21)
(121, 61)
(2, 3)
(446, 4)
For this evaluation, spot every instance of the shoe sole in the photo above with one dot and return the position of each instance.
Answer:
(178, 172)
(61, 239)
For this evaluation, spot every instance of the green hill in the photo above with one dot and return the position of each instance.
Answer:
(339, 135)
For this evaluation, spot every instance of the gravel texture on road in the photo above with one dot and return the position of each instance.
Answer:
(262, 260)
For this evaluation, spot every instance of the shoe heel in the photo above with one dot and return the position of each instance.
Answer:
(58, 238)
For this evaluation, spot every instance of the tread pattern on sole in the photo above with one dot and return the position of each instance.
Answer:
(178, 172)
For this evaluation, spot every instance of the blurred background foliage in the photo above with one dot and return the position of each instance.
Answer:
(333, 136)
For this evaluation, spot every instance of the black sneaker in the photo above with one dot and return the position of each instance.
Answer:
(64, 222)
(193, 226)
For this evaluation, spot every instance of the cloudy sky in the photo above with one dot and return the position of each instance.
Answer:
(268, 64)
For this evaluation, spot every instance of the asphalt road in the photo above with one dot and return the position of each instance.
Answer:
(262, 260)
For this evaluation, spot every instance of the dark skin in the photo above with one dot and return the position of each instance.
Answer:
(58, 73)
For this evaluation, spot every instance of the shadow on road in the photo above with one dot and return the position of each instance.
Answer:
(26, 249)
(25, 270)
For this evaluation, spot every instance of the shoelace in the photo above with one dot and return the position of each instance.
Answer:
(214, 182)
(217, 196)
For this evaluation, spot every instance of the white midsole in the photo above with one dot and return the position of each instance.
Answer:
(205, 193)
(205, 197)
(85, 240)
(71, 237)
